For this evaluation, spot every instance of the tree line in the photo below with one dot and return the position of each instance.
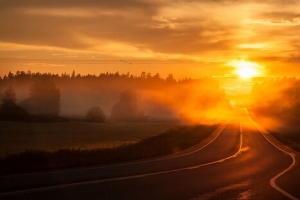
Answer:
(22, 75)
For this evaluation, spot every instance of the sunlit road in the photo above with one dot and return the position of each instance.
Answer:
(238, 164)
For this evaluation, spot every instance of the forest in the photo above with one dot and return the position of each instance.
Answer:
(111, 97)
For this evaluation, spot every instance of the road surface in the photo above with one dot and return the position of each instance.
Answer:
(238, 162)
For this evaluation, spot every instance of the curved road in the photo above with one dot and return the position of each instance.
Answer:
(238, 163)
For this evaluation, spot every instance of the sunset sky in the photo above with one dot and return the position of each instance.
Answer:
(182, 37)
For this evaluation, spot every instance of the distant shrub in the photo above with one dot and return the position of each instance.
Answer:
(95, 114)
(14, 113)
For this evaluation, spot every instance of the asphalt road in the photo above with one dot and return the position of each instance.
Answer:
(238, 162)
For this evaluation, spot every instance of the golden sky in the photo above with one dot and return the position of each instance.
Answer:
(183, 37)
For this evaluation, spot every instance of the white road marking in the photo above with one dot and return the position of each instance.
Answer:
(48, 188)
(273, 180)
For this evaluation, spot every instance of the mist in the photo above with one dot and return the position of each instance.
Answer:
(156, 99)
(276, 103)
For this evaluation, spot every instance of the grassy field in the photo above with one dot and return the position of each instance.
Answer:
(163, 144)
(18, 136)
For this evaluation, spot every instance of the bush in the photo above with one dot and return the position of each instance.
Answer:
(95, 114)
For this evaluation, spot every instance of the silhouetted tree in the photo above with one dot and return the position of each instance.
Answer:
(73, 74)
(143, 76)
(10, 75)
(170, 79)
(5, 78)
(9, 110)
(126, 109)
(44, 98)
(95, 114)
(9, 97)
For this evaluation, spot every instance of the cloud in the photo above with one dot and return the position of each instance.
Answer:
(116, 4)
(279, 18)
(56, 23)
(191, 30)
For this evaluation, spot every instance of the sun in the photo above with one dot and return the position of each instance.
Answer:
(246, 69)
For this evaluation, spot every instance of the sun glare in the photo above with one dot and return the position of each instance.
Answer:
(246, 69)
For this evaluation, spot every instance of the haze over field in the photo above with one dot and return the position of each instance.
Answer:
(121, 97)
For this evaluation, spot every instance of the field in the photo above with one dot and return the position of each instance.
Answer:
(168, 142)
(17, 136)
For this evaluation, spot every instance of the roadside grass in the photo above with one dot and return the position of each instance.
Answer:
(160, 145)
(286, 132)
(291, 139)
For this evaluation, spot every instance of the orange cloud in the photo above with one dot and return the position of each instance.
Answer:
(195, 35)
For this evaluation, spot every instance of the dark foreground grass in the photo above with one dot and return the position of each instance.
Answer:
(290, 139)
(167, 143)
